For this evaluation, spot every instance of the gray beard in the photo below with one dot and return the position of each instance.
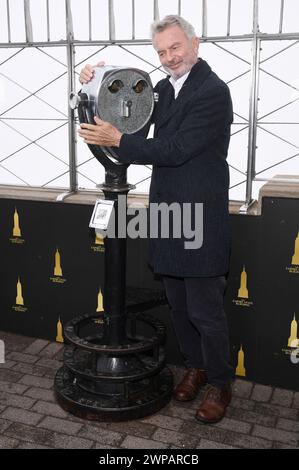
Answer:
(177, 76)
(173, 74)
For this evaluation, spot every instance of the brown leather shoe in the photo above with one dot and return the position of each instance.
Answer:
(188, 388)
(213, 406)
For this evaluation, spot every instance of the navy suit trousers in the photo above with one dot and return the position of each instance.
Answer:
(200, 324)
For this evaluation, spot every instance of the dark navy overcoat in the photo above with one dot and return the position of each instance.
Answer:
(188, 153)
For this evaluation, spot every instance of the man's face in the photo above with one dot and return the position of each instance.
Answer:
(177, 53)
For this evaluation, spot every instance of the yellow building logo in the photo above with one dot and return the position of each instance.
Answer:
(98, 239)
(58, 274)
(243, 295)
(19, 297)
(294, 268)
(295, 257)
(240, 369)
(98, 246)
(100, 305)
(19, 305)
(16, 231)
(243, 291)
(57, 266)
(59, 335)
(100, 308)
(293, 341)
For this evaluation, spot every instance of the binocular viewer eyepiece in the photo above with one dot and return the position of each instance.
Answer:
(120, 95)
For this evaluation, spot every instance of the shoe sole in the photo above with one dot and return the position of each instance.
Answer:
(185, 399)
(205, 421)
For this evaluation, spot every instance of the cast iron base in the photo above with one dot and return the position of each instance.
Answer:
(143, 398)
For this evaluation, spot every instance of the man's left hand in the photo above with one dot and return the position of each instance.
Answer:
(103, 133)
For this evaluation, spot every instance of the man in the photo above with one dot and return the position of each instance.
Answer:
(188, 153)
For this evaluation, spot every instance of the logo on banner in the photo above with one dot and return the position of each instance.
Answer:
(19, 305)
(243, 295)
(240, 369)
(16, 231)
(58, 275)
(294, 268)
(100, 308)
(98, 246)
(59, 335)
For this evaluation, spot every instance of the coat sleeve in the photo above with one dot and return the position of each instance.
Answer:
(208, 116)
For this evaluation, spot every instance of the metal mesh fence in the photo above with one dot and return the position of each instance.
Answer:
(44, 44)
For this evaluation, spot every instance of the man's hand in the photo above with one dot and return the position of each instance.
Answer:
(103, 133)
(87, 72)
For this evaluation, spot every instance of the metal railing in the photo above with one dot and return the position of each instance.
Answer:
(70, 43)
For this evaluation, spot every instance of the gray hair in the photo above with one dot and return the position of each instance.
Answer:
(172, 20)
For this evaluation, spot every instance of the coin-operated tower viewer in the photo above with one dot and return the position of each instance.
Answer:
(116, 372)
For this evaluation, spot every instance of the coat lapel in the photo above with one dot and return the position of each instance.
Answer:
(167, 107)
(166, 100)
